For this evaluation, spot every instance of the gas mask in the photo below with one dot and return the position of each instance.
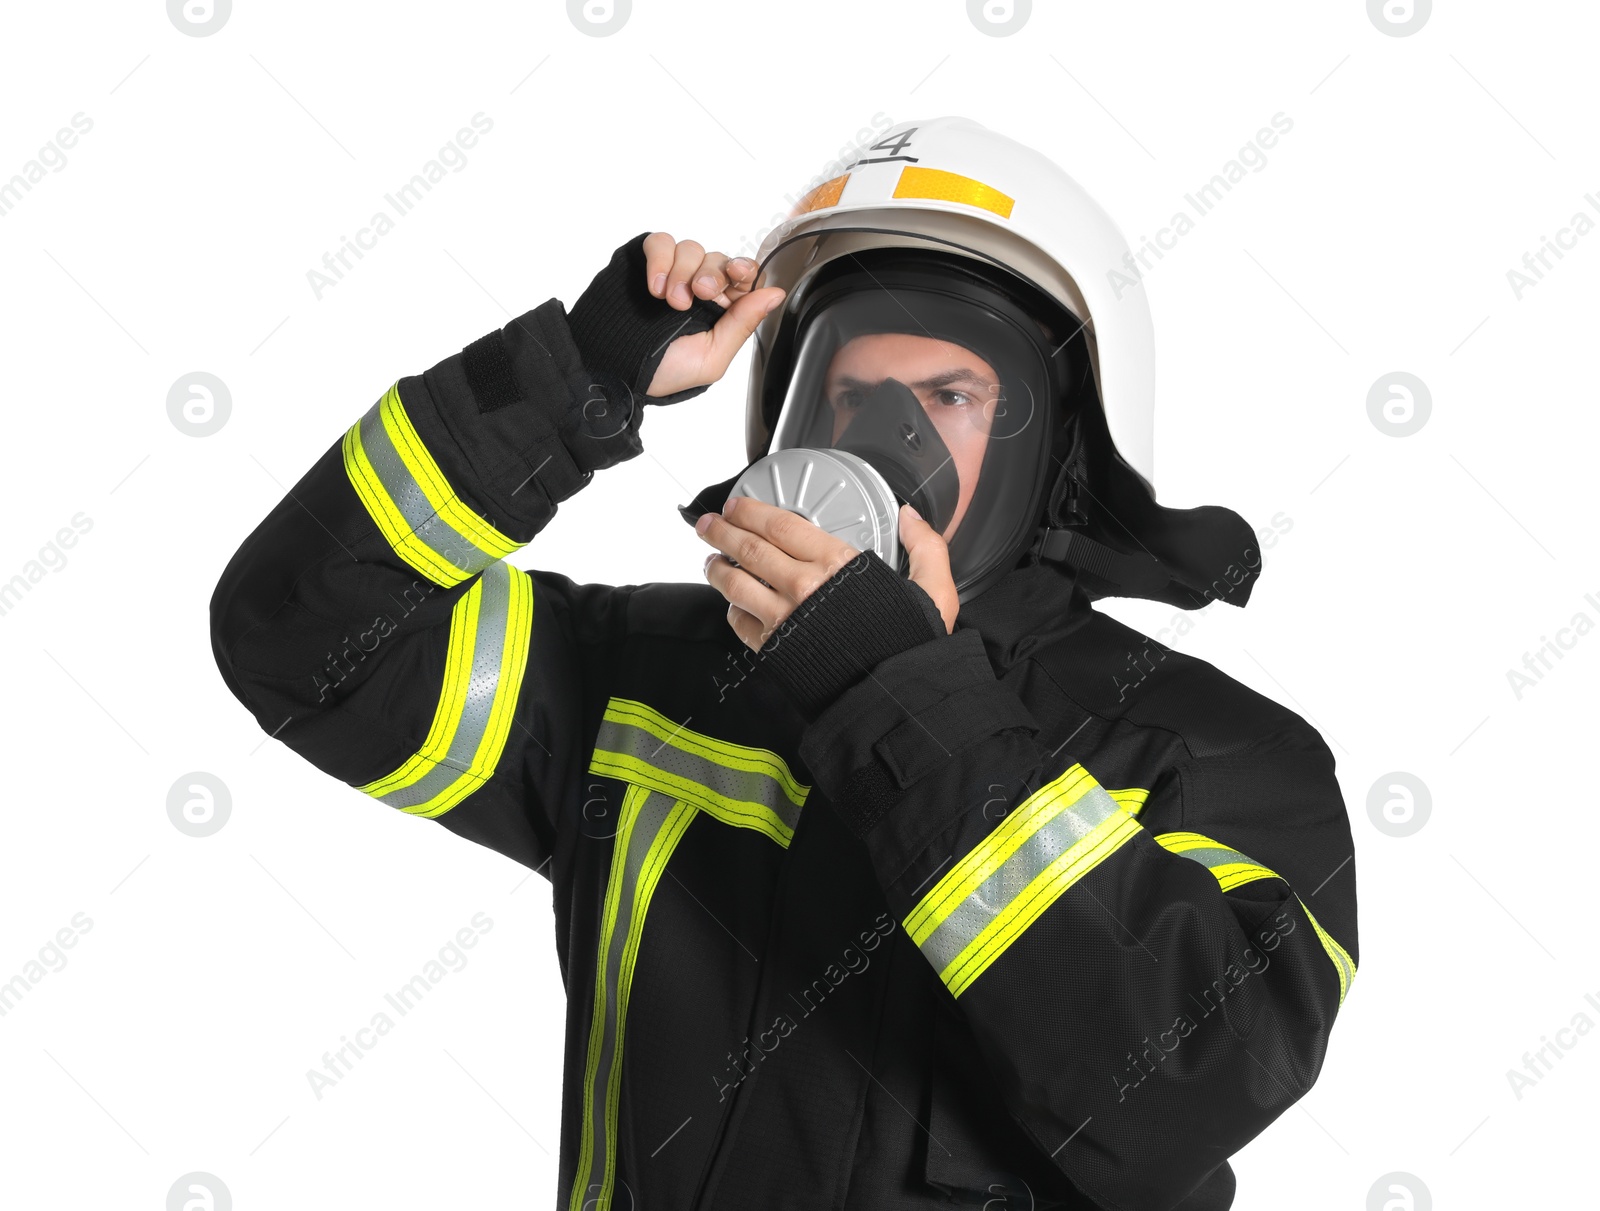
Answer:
(920, 385)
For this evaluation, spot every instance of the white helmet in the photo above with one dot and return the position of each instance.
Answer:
(954, 185)
(969, 202)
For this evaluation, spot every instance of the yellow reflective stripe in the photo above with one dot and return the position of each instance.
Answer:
(943, 186)
(737, 812)
(597, 1018)
(447, 714)
(672, 774)
(738, 785)
(1102, 841)
(1050, 841)
(391, 524)
(722, 752)
(407, 495)
(1232, 869)
(633, 878)
(450, 507)
(1342, 962)
(486, 658)
(655, 863)
(1130, 800)
(987, 856)
(513, 668)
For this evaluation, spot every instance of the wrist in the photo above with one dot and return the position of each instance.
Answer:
(864, 614)
(622, 330)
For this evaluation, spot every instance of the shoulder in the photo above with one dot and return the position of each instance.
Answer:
(1118, 673)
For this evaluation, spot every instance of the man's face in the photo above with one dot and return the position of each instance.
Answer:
(957, 388)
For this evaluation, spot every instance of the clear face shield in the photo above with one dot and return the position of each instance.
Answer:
(929, 389)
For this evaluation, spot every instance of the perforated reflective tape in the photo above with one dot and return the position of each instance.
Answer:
(989, 899)
(742, 786)
(1232, 869)
(490, 629)
(414, 506)
(673, 774)
(941, 186)
(650, 828)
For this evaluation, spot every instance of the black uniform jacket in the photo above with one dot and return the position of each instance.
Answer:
(1037, 913)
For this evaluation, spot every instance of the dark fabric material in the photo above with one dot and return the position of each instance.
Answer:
(1030, 611)
(489, 372)
(863, 614)
(1175, 1088)
(1205, 554)
(787, 1044)
(623, 330)
(917, 746)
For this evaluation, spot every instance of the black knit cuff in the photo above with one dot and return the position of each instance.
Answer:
(864, 614)
(623, 330)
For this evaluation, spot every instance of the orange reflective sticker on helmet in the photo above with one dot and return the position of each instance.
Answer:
(822, 197)
(941, 186)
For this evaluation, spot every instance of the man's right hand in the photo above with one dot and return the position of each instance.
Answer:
(678, 271)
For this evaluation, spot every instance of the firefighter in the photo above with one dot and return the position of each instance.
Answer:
(887, 871)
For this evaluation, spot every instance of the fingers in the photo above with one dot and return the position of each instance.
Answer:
(711, 279)
(680, 271)
(754, 610)
(781, 548)
(754, 555)
(660, 249)
(930, 564)
(741, 276)
(685, 262)
(724, 280)
(750, 629)
(789, 532)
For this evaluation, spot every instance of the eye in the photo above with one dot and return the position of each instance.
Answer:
(952, 399)
(847, 400)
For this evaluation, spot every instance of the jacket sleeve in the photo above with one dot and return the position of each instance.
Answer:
(1137, 960)
(373, 624)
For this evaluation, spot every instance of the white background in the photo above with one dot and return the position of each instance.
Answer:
(1417, 571)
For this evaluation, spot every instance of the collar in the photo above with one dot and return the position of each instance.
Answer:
(1028, 609)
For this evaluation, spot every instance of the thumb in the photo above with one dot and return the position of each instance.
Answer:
(737, 323)
(930, 564)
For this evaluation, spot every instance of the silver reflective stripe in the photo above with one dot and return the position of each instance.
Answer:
(746, 786)
(488, 648)
(449, 544)
(650, 831)
(1231, 868)
(1052, 839)
(1213, 856)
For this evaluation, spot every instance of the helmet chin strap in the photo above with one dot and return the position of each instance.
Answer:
(1139, 574)
(1060, 538)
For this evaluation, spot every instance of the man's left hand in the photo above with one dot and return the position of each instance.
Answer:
(783, 558)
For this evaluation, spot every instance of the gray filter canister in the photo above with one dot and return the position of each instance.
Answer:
(834, 490)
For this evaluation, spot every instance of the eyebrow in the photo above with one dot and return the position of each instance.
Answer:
(943, 379)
